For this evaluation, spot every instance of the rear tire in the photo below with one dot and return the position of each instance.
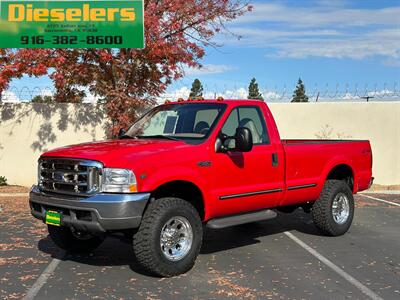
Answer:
(169, 237)
(73, 241)
(333, 212)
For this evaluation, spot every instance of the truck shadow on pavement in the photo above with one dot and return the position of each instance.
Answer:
(248, 234)
(116, 250)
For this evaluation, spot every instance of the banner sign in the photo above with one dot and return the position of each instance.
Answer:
(71, 24)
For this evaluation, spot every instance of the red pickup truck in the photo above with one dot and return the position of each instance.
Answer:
(190, 165)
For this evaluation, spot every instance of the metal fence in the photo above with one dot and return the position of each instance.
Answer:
(326, 93)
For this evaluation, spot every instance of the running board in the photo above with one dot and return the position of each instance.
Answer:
(250, 217)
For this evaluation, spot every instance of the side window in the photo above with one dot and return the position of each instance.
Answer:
(251, 118)
(231, 123)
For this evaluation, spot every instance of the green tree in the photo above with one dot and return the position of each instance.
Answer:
(254, 92)
(3, 181)
(42, 99)
(299, 94)
(197, 90)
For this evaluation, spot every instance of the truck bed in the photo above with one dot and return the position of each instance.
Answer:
(309, 161)
(290, 142)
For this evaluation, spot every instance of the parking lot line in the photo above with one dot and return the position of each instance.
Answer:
(41, 281)
(365, 290)
(381, 200)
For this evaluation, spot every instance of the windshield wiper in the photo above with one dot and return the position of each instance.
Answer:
(157, 136)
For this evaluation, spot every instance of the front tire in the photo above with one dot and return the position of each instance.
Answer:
(73, 241)
(333, 212)
(169, 237)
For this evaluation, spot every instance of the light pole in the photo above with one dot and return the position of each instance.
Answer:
(368, 97)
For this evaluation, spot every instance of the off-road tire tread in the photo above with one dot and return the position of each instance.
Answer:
(143, 243)
(321, 209)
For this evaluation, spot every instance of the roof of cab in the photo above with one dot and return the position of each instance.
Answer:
(224, 101)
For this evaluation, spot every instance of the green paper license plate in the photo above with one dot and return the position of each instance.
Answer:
(53, 218)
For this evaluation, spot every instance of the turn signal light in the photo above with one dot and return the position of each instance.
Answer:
(133, 188)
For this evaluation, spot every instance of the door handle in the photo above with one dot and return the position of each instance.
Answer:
(275, 161)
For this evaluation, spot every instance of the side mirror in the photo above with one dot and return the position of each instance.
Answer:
(244, 139)
(121, 133)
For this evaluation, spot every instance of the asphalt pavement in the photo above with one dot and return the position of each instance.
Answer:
(283, 258)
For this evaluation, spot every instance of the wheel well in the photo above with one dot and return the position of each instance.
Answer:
(184, 190)
(342, 172)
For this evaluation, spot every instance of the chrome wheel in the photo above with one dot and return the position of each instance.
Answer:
(340, 208)
(176, 238)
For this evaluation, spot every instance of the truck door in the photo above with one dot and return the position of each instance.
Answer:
(252, 180)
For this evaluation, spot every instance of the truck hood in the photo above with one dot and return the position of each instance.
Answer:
(116, 153)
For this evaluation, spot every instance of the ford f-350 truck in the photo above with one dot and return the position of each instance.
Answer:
(190, 165)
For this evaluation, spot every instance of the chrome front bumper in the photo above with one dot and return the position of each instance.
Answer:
(98, 213)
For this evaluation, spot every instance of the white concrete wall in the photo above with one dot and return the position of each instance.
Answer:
(377, 122)
(27, 130)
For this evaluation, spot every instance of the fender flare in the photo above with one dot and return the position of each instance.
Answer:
(159, 178)
(337, 161)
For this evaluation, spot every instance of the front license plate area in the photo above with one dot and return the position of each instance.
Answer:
(53, 218)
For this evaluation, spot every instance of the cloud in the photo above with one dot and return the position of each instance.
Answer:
(357, 47)
(375, 43)
(184, 92)
(391, 62)
(208, 69)
(9, 97)
(46, 92)
(260, 35)
(324, 93)
(240, 93)
(330, 3)
(318, 16)
(237, 93)
(320, 30)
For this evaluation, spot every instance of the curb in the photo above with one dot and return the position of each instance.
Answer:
(13, 194)
(386, 192)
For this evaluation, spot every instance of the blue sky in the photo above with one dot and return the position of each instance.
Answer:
(325, 42)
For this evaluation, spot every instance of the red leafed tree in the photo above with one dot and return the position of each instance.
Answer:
(127, 80)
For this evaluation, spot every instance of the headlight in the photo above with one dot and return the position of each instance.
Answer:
(118, 181)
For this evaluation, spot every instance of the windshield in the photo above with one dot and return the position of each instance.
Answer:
(178, 121)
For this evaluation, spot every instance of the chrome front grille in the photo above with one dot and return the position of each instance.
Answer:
(69, 176)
